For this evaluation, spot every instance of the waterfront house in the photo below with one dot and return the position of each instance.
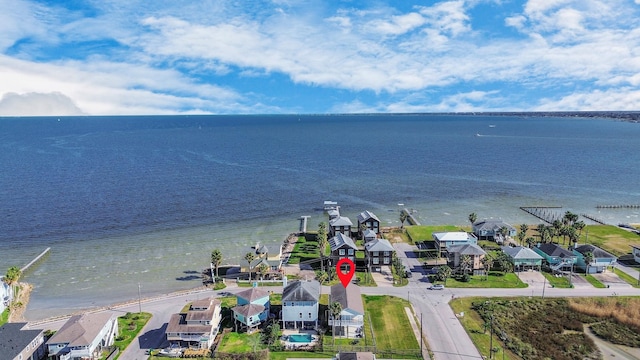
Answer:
(444, 240)
(5, 295)
(263, 255)
(370, 222)
(83, 337)
(369, 235)
(253, 307)
(330, 205)
(341, 224)
(198, 326)
(473, 251)
(342, 246)
(378, 253)
(489, 229)
(350, 322)
(601, 259)
(19, 344)
(523, 258)
(300, 305)
(333, 214)
(556, 256)
(636, 253)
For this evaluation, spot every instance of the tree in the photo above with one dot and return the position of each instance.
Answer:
(472, 218)
(331, 273)
(523, 233)
(398, 267)
(579, 225)
(557, 228)
(466, 263)
(321, 276)
(335, 309)
(249, 257)
(262, 269)
(321, 238)
(403, 218)
(505, 263)
(216, 260)
(572, 233)
(530, 241)
(444, 272)
(588, 259)
(504, 231)
(487, 262)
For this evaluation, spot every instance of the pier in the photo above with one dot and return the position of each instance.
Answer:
(38, 258)
(410, 218)
(303, 224)
(628, 206)
(547, 214)
(593, 218)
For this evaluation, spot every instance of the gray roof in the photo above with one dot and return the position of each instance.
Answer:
(81, 330)
(492, 225)
(202, 310)
(356, 356)
(366, 215)
(349, 297)
(467, 249)
(340, 240)
(370, 233)
(302, 291)
(555, 250)
(247, 310)
(521, 252)
(596, 251)
(252, 294)
(177, 324)
(13, 340)
(341, 221)
(378, 245)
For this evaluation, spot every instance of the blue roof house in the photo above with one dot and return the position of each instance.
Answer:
(601, 259)
(253, 307)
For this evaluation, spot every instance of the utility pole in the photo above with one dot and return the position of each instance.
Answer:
(491, 337)
(421, 335)
(544, 285)
(139, 299)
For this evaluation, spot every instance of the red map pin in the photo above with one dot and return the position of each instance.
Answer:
(345, 278)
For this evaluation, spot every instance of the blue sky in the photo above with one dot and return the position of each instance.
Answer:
(117, 57)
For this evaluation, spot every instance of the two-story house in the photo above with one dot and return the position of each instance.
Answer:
(368, 220)
(342, 246)
(378, 252)
(475, 254)
(253, 307)
(19, 344)
(83, 337)
(350, 322)
(491, 229)
(197, 327)
(600, 262)
(341, 224)
(443, 240)
(300, 305)
(556, 256)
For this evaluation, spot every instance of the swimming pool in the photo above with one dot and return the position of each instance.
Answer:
(300, 338)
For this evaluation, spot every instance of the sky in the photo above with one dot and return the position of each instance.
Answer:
(134, 57)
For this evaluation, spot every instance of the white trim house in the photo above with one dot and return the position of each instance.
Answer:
(300, 305)
(83, 337)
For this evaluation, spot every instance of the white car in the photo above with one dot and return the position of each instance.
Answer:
(437, 287)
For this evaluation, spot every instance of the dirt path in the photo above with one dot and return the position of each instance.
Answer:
(20, 305)
(612, 351)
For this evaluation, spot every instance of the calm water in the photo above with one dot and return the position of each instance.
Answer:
(128, 200)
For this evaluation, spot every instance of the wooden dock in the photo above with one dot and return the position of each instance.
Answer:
(594, 219)
(303, 224)
(547, 214)
(38, 258)
(410, 218)
(627, 206)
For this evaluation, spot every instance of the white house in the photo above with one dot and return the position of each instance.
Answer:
(300, 305)
(197, 327)
(83, 337)
(636, 253)
(444, 240)
(5, 295)
(351, 320)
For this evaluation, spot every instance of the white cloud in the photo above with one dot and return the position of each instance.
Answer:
(620, 99)
(37, 104)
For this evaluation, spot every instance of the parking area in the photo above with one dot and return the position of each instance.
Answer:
(612, 280)
(384, 277)
(533, 278)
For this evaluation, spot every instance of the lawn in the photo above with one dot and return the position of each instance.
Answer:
(4, 317)
(237, 343)
(559, 282)
(304, 250)
(610, 238)
(496, 279)
(299, 354)
(130, 325)
(595, 282)
(391, 326)
(626, 277)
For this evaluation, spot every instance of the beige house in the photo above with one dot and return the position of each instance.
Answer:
(83, 337)
(473, 251)
(197, 327)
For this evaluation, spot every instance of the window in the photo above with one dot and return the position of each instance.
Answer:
(341, 252)
(376, 261)
(376, 253)
(350, 251)
(387, 260)
(386, 253)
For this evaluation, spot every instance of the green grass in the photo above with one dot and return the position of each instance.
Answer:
(610, 238)
(304, 250)
(236, 343)
(365, 279)
(559, 282)
(299, 354)
(391, 326)
(595, 282)
(4, 317)
(129, 326)
(626, 277)
(419, 233)
(496, 280)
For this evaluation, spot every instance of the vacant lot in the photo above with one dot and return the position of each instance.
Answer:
(610, 238)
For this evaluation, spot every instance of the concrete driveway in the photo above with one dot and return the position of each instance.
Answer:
(533, 278)
(612, 280)
(384, 277)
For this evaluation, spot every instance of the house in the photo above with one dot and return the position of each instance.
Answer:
(341, 224)
(5, 295)
(636, 253)
(368, 220)
(300, 305)
(19, 344)
(601, 259)
(444, 240)
(475, 253)
(490, 229)
(355, 356)
(369, 235)
(253, 307)
(378, 252)
(333, 214)
(342, 246)
(556, 256)
(83, 337)
(523, 258)
(351, 320)
(330, 205)
(263, 255)
(198, 326)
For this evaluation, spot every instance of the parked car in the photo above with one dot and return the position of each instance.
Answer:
(437, 287)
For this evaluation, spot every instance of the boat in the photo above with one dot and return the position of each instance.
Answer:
(492, 126)
(478, 134)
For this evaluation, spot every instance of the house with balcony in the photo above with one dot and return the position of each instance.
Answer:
(300, 305)
(556, 256)
(350, 322)
(252, 309)
(444, 240)
(340, 225)
(378, 253)
(16, 343)
(270, 256)
(342, 246)
(368, 221)
(490, 229)
(601, 259)
(5, 295)
(474, 252)
(83, 337)
(198, 326)
(523, 258)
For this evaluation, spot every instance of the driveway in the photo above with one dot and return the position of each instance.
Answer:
(533, 278)
(611, 279)
(384, 277)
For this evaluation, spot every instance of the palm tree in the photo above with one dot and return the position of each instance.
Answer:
(262, 269)
(472, 218)
(588, 259)
(557, 228)
(321, 276)
(216, 260)
(523, 233)
(572, 233)
(569, 218)
(579, 225)
(444, 272)
(321, 238)
(335, 309)
(12, 277)
(487, 262)
(466, 263)
(530, 241)
(249, 257)
(403, 218)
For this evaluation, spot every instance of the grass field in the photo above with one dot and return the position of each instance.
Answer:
(425, 232)
(240, 343)
(610, 238)
(129, 326)
(304, 250)
(595, 282)
(626, 277)
(390, 324)
(559, 282)
(496, 280)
